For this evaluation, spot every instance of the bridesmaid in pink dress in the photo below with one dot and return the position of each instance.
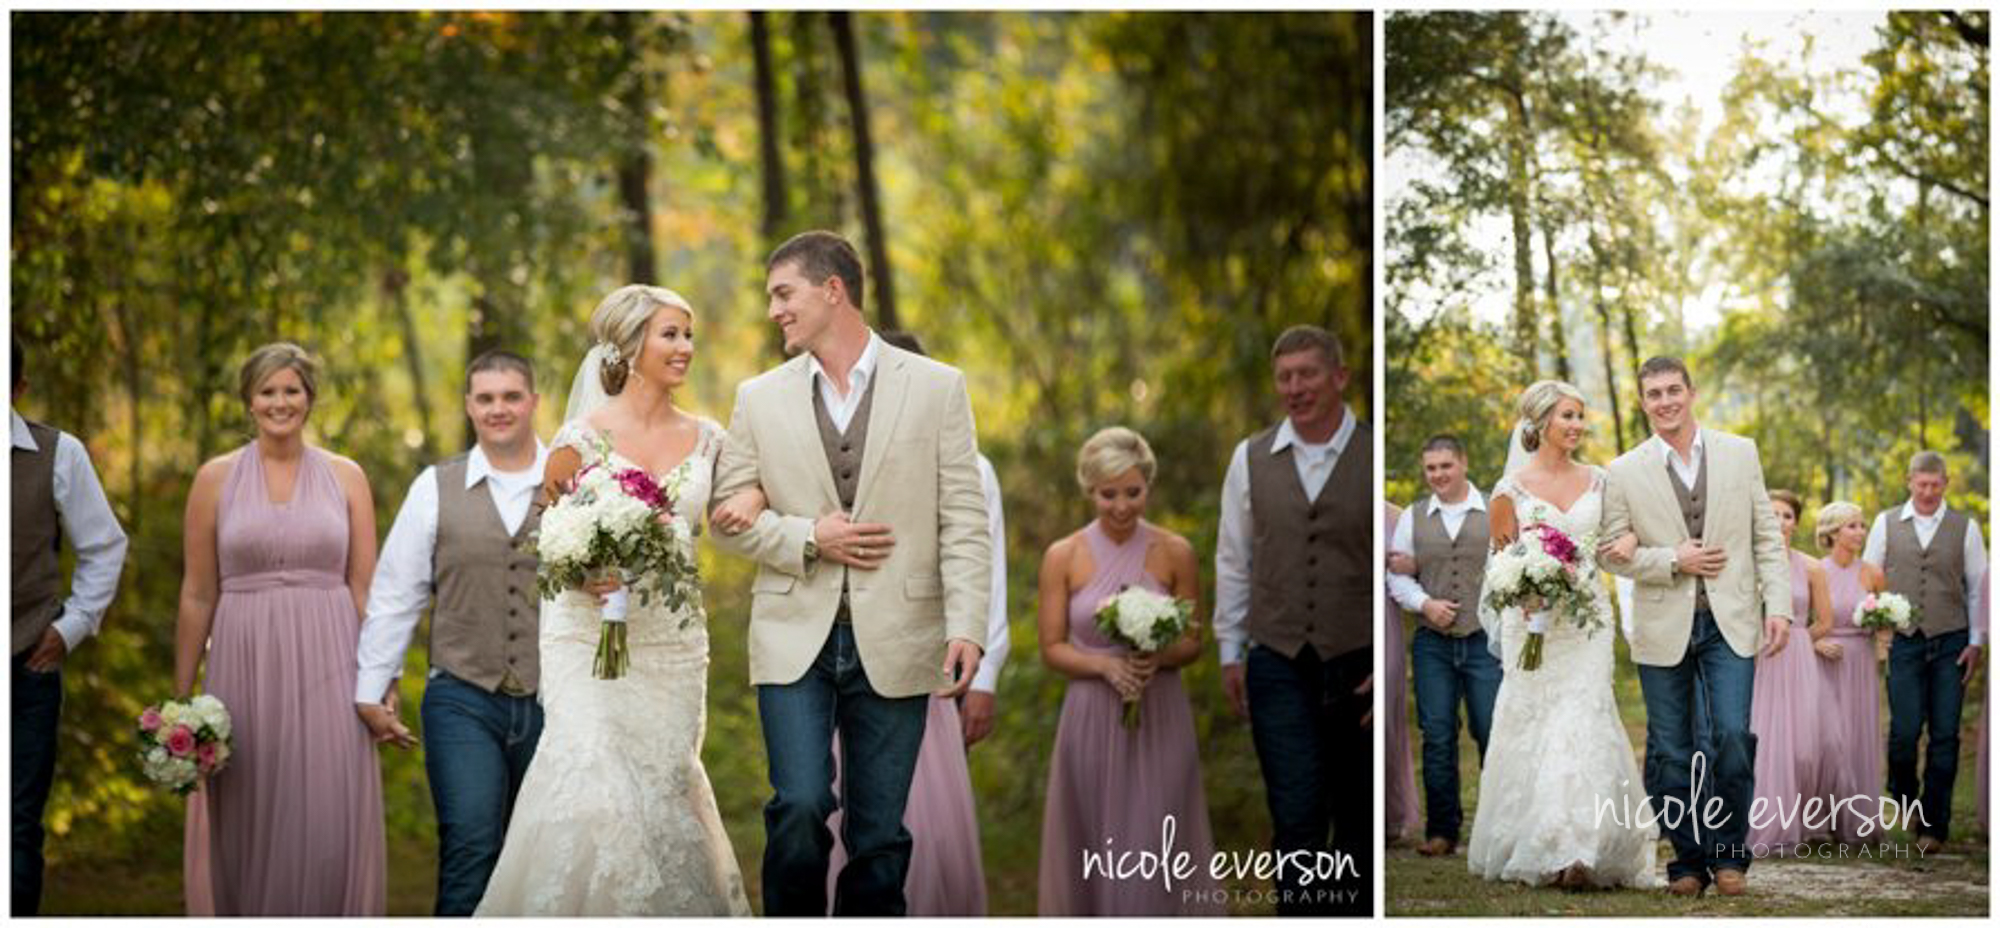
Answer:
(1849, 666)
(280, 546)
(1798, 733)
(1399, 787)
(1982, 783)
(1111, 786)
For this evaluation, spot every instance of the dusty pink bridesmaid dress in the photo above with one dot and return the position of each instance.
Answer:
(1855, 689)
(1112, 786)
(1798, 735)
(1399, 787)
(294, 824)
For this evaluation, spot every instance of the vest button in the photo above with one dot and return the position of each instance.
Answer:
(513, 636)
(1309, 628)
(511, 613)
(1312, 562)
(510, 591)
(845, 448)
(847, 475)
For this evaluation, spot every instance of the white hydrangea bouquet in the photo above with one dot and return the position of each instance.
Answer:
(1885, 610)
(1544, 572)
(183, 740)
(618, 522)
(1144, 621)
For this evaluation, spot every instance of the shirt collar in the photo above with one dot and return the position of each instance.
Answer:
(478, 468)
(1473, 500)
(1287, 436)
(864, 367)
(1667, 451)
(23, 439)
(1909, 509)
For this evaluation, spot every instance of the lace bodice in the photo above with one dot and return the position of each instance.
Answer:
(1579, 521)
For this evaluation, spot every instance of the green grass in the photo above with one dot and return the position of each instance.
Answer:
(1954, 883)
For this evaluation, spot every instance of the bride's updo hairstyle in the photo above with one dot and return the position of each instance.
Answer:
(1831, 518)
(618, 325)
(1538, 403)
(1111, 452)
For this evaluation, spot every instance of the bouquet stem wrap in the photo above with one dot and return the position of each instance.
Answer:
(614, 656)
(1531, 651)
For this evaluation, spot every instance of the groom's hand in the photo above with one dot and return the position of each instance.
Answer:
(861, 545)
(1777, 631)
(1970, 658)
(1692, 557)
(961, 662)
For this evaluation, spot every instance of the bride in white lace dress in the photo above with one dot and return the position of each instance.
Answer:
(616, 815)
(1558, 750)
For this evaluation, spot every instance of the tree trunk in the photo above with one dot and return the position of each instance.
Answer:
(842, 24)
(1520, 139)
(395, 293)
(635, 169)
(768, 132)
(1605, 345)
(1558, 337)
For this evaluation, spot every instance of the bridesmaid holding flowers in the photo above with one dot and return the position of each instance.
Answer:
(279, 551)
(1848, 661)
(1798, 732)
(1111, 787)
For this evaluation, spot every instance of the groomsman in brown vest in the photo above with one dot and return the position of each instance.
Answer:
(1295, 578)
(1933, 556)
(1443, 541)
(458, 541)
(56, 494)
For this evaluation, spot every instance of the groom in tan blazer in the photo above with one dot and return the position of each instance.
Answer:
(1711, 584)
(872, 581)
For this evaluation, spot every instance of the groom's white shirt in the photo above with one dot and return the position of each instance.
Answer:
(841, 408)
(1689, 469)
(1926, 527)
(1756, 580)
(404, 578)
(1407, 592)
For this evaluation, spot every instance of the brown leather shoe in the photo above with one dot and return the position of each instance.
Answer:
(1731, 882)
(1687, 886)
(1928, 845)
(1437, 846)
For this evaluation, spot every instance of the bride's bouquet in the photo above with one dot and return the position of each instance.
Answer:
(613, 522)
(1144, 621)
(1885, 610)
(183, 740)
(1543, 571)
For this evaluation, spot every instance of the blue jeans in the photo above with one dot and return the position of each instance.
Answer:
(1713, 681)
(1305, 719)
(1447, 670)
(477, 746)
(879, 738)
(1925, 692)
(37, 705)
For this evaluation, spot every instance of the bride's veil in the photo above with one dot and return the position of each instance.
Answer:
(1518, 456)
(586, 390)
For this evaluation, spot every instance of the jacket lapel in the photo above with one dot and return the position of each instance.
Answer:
(891, 388)
(803, 425)
(1660, 489)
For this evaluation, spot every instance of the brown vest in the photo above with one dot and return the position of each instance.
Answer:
(1933, 578)
(1312, 563)
(37, 537)
(1692, 508)
(843, 453)
(483, 629)
(1452, 568)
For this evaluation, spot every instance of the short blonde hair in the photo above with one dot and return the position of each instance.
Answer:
(1538, 403)
(619, 322)
(272, 358)
(1831, 518)
(1111, 452)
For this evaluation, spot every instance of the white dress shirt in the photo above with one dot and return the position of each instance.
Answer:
(1407, 591)
(841, 408)
(1689, 471)
(404, 573)
(997, 645)
(1877, 549)
(93, 532)
(1232, 543)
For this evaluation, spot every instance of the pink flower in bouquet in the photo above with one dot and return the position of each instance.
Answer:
(640, 486)
(1557, 545)
(1867, 603)
(149, 720)
(180, 741)
(204, 756)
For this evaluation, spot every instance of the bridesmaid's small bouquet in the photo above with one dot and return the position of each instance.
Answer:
(613, 522)
(1144, 621)
(183, 740)
(1885, 610)
(1544, 571)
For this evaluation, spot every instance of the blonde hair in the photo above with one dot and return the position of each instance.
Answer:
(619, 323)
(1538, 403)
(1110, 452)
(272, 358)
(1832, 517)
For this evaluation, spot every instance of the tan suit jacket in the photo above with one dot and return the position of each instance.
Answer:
(918, 475)
(1737, 516)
